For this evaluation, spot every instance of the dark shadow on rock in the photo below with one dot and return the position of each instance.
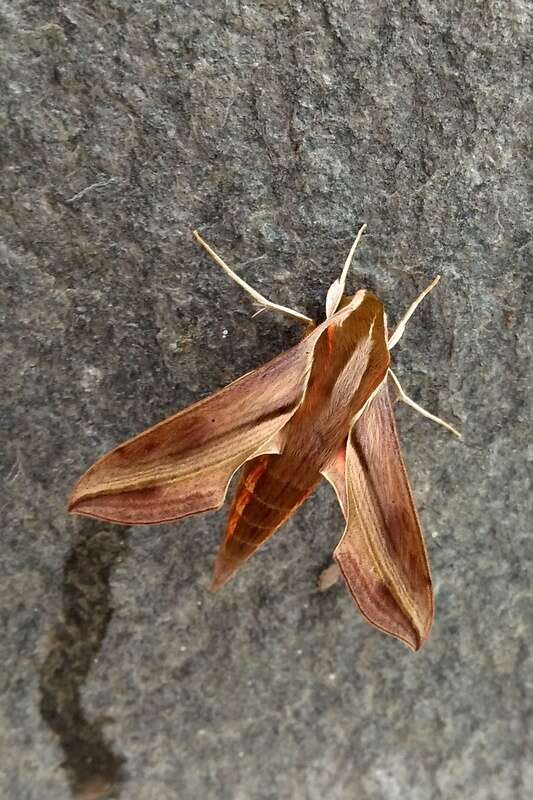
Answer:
(94, 771)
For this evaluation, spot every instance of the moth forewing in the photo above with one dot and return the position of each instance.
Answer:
(382, 555)
(183, 465)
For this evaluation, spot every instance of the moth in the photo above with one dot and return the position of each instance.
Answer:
(321, 409)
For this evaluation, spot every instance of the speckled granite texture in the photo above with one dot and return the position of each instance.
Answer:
(277, 128)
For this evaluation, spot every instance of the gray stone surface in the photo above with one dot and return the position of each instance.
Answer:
(277, 128)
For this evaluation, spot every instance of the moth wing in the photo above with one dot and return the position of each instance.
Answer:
(255, 517)
(382, 554)
(183, 465)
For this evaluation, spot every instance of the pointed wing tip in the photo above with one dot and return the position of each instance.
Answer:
(419, 637)
(416, 643)
(222, 573)
(413, 641)
(78, 502)
(84, 507)
(413, 635)
(81, 509)
(73, 504)
(78, 495)
(219, 580)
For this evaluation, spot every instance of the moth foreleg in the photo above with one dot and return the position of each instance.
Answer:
(328, 577)
(258, 298)
(408, 401)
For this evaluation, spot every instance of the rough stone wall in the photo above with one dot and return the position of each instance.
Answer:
(276, 128)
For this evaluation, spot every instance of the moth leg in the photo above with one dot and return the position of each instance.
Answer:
(336, 290)
(406, 399)
(400, 328)
(259, 300)
(328, 577)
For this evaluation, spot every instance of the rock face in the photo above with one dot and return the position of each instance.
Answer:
(276, 128)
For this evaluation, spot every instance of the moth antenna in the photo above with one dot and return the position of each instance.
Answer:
(336, 290)
(408, 401)
(258, 298)
(400, 328)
